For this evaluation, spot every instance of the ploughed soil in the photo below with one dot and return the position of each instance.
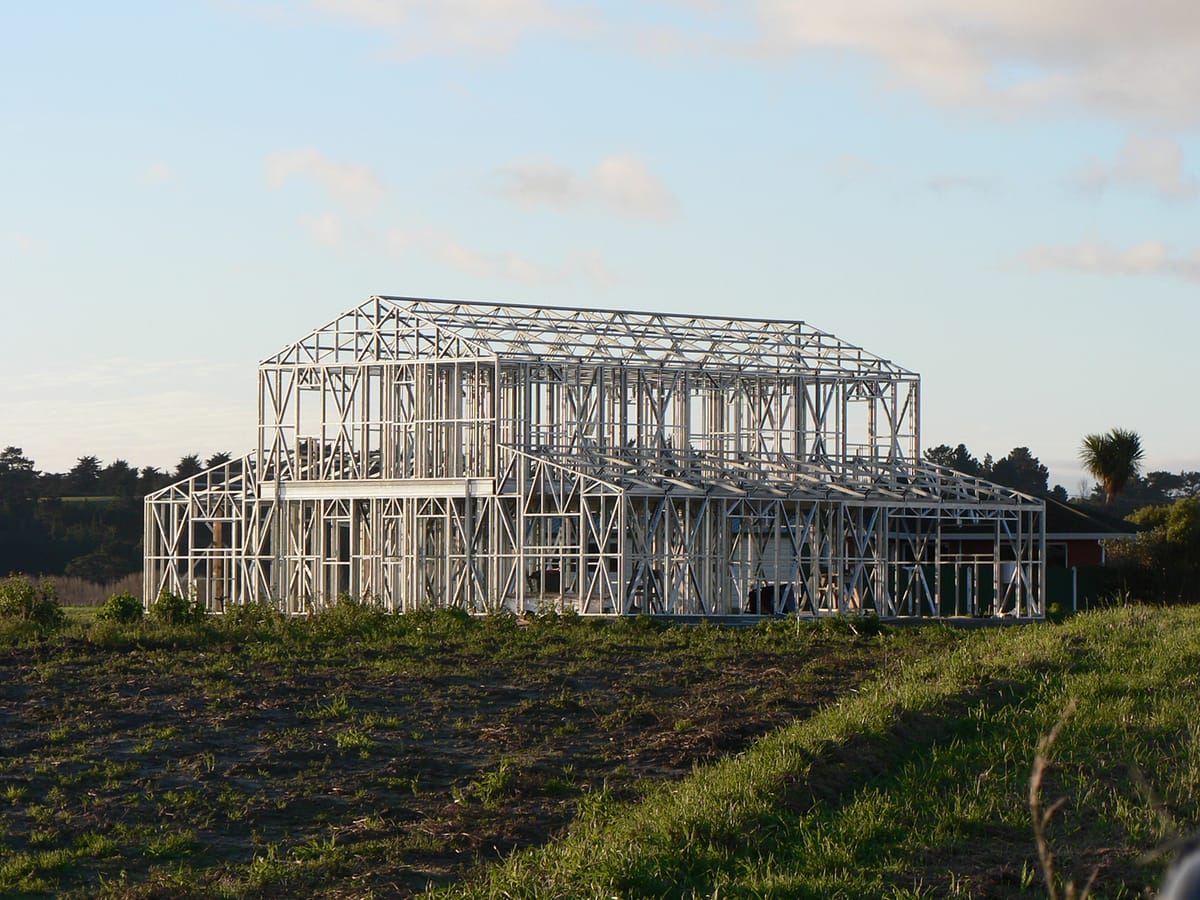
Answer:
(336, 765)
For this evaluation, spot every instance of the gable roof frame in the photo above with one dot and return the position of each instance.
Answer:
(394, 328)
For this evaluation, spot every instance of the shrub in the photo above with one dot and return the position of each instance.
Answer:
(351, 617)
(435, 628)
(123, 608)
(171, 609)
(1163, 561)
(262, 616)
(643, 622)
(22, 601)
(440, 619)
(868, 625)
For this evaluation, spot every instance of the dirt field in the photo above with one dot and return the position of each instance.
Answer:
(387, 764)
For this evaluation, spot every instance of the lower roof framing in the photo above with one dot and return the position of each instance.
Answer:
(640, 533)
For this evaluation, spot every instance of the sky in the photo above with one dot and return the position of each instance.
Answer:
(999, 194)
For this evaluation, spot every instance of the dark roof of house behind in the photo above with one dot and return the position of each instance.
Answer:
(1066, 520)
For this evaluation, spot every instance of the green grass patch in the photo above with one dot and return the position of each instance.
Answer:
(918, 784)
(256, 754)
(81, 617)
(196, 745)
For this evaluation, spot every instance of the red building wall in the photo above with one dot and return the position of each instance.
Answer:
(1084, 553)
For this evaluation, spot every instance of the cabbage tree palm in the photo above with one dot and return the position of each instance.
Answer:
(1112, 459)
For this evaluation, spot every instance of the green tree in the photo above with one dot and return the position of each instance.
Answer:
(108, 563)
(188, 466)
(84, 478)
(1112, 459)
(1163, 561)
(18, 480)
(151, 479)
(1022, 471)
(119, 478)
(958, 458)
(1167, 486)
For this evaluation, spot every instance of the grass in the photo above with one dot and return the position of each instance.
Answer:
(495, 785)
(255, 754)
(83, 616)
(364, 753)
(917, 785)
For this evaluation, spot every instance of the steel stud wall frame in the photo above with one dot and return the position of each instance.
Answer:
(496, 456)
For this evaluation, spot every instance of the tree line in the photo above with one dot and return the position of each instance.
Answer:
(1113, 459)
(85, 522)
(1019, 470)
(1162, 563)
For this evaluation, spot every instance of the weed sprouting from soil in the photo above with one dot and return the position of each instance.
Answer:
(494, 786)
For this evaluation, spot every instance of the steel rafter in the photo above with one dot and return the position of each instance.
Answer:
(487, 456)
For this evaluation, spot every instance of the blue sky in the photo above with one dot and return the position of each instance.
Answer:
(1002, 196)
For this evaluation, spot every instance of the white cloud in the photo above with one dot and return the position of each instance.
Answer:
(588, 266)
(355, 189)
(850, 167)
(423, 27)
(1143, 162)
(324, 228)
(1135, 60)
(942, 184)
(347, 183)
(535, 183)
(508, 266)
(25, 244)
(398, 242)
(1147, 257)
(157, 173)
(452, 252)
(623, 184)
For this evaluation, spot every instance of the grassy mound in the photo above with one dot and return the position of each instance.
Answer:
(359, 753)
(919, 784)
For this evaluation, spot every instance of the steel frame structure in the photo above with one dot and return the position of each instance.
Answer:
(488, 456)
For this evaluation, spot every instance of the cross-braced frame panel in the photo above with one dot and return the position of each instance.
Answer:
(491, 456)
